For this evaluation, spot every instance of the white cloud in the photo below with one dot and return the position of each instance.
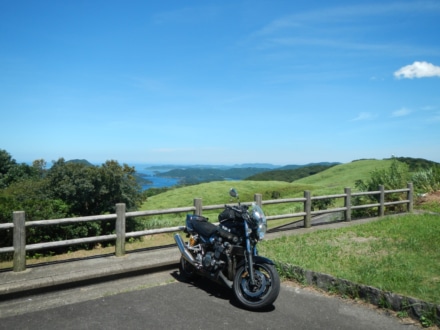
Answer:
(429, 108)
(363, 116)
(347, 13)
(401, 112)
(436, 118)
(418, 70)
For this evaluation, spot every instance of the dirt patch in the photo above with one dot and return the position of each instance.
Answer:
(433, 197)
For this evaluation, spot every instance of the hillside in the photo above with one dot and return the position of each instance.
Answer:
(345, 175)
(260, 172)
(332, 180)
(289, 175)
(416, 164)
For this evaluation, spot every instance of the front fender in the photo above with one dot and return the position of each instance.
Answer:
(257, 260)
(262, 260)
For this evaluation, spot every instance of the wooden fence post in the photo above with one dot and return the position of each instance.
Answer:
(19, 236)
(198, 206)
(307, 209)
(258, 199)
(120, 230)
(347, 204)
(410, 197)
(382, 201)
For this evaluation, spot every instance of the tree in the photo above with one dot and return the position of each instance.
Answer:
(6, 164)
(30, 196)
(11, 172)
(73, 183)
(92, 190)
(66, 189)
(119, 185)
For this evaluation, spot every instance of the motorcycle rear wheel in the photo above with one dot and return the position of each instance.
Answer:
(265, 290)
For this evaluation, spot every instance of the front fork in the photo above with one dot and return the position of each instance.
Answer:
(250, 252)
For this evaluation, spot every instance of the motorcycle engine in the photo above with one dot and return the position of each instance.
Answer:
(209, 260)
(212, 259)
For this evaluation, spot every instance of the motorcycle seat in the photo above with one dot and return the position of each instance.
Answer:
(202, 227)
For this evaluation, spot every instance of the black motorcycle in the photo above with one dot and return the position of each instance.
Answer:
(227, 253)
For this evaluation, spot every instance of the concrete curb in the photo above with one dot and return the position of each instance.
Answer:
(71, 272)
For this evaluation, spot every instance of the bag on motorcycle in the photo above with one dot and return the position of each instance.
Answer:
(197, 217)
(200, 225)
(189, 221)
(228, 214)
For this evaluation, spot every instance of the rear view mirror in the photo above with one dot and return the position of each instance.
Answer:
(233, 193)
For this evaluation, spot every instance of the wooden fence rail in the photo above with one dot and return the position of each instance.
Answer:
(19, 224)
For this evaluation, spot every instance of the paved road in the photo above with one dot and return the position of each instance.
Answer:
(160, 300)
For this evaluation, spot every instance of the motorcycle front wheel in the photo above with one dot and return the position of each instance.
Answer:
(263, 292)
(187, 271)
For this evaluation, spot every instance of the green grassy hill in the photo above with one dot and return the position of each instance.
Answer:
(289, 175)
(218, 193)
(336, 178)
(332, 180)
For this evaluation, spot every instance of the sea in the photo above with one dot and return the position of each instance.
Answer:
(150, 174)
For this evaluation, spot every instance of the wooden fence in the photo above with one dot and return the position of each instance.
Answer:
(19, 223)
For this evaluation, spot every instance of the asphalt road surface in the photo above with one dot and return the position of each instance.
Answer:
(162, 301)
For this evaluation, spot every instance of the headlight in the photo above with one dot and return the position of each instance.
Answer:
(261, 231)
(260, 221)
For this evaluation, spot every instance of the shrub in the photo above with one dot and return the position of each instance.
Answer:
(395, 177)
(427, 181)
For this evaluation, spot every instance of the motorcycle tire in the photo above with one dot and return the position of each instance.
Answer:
(263, 293)
(186, 270)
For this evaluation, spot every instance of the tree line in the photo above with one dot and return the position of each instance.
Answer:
(66, 189)
(289, 175)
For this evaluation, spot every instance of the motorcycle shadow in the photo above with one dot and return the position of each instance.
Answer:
(217, 290)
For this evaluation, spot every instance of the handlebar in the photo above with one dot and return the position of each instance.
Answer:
(238, 212)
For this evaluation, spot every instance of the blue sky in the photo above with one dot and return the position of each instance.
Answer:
(219, 82)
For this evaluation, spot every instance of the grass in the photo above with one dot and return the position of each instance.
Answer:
(397, 254)
(344, 175)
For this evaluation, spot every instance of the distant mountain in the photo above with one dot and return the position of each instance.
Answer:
(198, 175)
(80, 161)
(256, 165)
(201, 166)
(293, 167)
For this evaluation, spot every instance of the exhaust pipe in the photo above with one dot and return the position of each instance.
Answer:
(184, 251)
(188, 257)
(225, 280)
